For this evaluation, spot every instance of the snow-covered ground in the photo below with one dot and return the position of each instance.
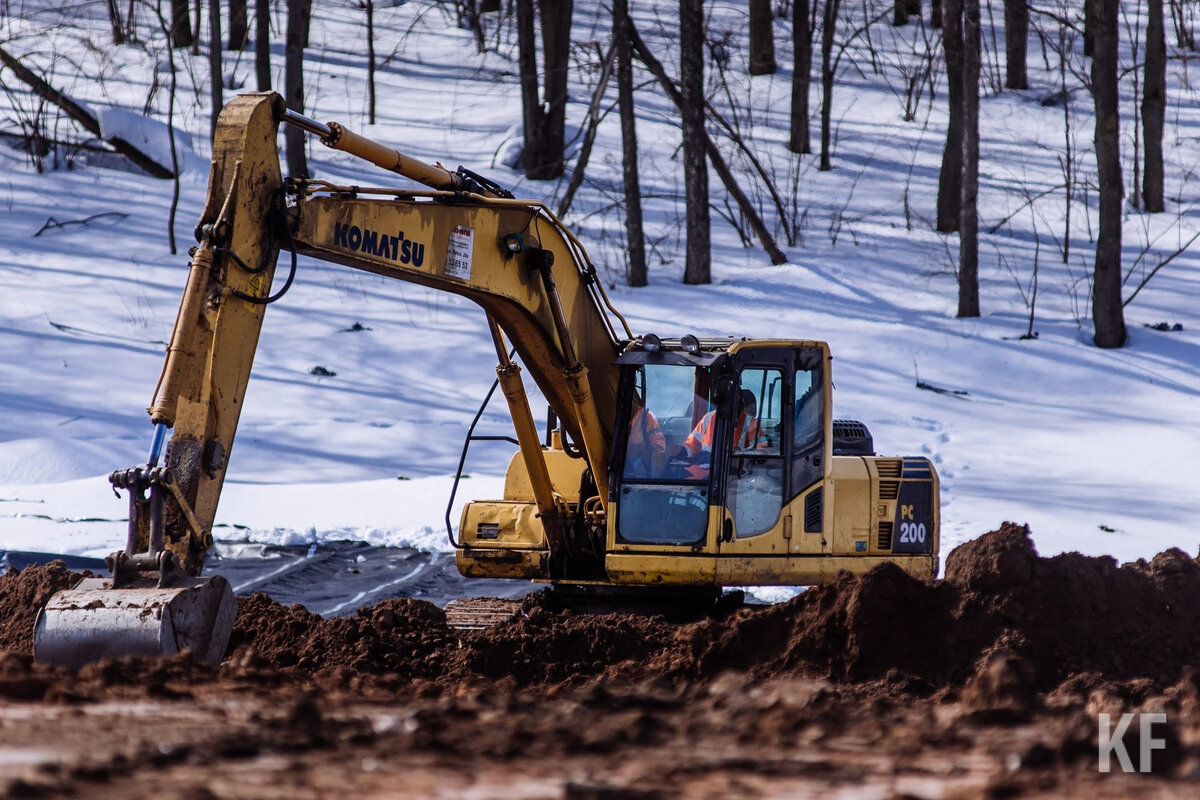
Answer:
(1097, 450)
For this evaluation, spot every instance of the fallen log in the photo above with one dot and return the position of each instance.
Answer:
(82, 116)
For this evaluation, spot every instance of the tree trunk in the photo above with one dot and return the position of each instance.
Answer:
(949, 197)
(799, 142)
(1016, 34)
(722, 169)
(1184, 37)
(297, 35)
(968, 216)
(1089, 27)
(370, 9)
(1107, 312)
(197, 26)
(634, 234)
(935, 14)
(1154, 99)
(114, 19)
(531, 104)
(697, 268)
(827, 34)
(181, 25)
(900, 13)
(468, 16)
(173, 87)
(913, 7)
(544, 128)
(239, 25)
(556, 46)
(262, 44)
(762, 38)
(216, 77)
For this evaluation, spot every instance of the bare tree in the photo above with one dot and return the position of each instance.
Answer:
(544, 117)
(369, 7)
(950, 180)
(262, 44)
(762, 38)
(968, 215)
(1107, 312)
(239, 25)
(1185, 37)
(1154, 98)
(469, 17)
(1016, 35)
(114, 19)
(828, 30)
(181, 26)
(1089, 27)
(798, 141)
(719, 165)
(299, 12)
(634, 234)
(697, 268)
(216, 77)
(197, 26)
(902, 10)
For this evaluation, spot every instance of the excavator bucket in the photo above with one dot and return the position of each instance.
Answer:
(150, 606)
(141, 618)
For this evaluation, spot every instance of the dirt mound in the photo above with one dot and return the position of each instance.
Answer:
(1037, 621)
(401, 637)
(23, 593)
(1059, 615)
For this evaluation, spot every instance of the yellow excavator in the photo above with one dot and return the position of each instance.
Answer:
(676, 463)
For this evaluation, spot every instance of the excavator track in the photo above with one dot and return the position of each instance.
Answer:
(478, 613)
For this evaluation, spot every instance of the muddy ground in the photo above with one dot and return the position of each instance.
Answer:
(990, 683)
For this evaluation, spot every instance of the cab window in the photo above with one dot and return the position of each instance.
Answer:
(754, 489)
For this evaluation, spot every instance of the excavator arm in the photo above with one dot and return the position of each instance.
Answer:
(461, 234)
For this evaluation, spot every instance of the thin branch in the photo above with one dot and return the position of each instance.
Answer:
(1159, 266)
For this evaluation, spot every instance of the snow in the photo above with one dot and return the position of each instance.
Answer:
(1098, 450)
(150, 136)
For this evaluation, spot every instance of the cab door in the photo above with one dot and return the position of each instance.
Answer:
(773, 486)
(755, 471)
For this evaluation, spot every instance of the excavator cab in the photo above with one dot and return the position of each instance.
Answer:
(760, 484)
(727, 469)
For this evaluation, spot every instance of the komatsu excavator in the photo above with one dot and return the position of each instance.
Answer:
(737, 475)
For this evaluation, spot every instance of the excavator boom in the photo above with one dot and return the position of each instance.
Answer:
(462, 234)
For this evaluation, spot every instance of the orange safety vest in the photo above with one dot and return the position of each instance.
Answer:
(645, 432)
(645, 440)
(745, 435)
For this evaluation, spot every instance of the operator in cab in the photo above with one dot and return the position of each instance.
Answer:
(697, 447)
(646, 452)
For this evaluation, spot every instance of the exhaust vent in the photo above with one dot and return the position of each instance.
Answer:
(889, 467)
(884, 539)
(814, 511)
(889, 490)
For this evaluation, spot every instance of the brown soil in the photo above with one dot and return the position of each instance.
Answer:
(988, 683)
